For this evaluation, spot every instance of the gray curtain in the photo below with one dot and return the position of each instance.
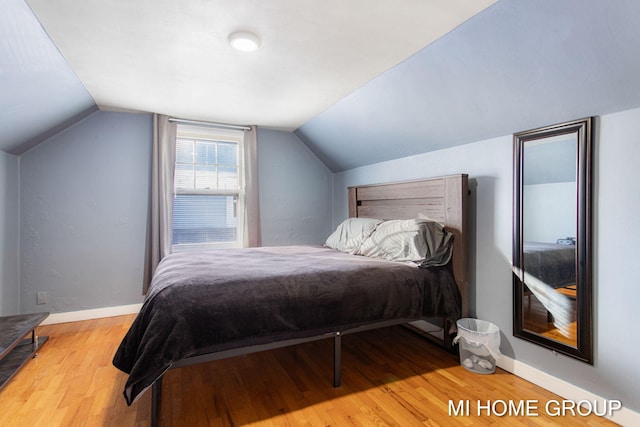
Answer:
(161, 195)
(252, 234)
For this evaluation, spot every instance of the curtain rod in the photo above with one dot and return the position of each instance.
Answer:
(210, 124)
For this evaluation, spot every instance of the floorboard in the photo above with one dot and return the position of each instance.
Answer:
(391, 377)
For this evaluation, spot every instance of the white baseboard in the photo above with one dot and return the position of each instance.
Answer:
(96, 313)
(623, 416)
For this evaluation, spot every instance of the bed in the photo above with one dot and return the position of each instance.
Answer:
(264, 298)
(554, 264)
(550, 275)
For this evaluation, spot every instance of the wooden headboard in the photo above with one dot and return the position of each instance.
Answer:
(442, 199)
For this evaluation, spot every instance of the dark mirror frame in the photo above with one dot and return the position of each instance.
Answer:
(583, 129)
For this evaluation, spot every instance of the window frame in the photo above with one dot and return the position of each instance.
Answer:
(206, 133)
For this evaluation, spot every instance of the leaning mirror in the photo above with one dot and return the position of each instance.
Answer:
(552, 238)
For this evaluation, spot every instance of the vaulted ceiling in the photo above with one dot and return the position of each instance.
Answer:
(360, 82)
(517, 65)
(39, 92)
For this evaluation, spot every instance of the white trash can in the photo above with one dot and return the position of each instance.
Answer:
(479, 345)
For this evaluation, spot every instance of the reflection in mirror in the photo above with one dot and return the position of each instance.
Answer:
(551, 279)
(549, 230)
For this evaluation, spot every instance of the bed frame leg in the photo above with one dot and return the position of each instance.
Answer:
(156, 391)
(337, 368)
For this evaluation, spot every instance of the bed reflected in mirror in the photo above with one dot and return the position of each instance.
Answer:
(552, 280)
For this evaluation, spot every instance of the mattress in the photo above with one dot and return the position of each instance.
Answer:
(212, 301)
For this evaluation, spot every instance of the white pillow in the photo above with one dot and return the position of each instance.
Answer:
(351, 233)
(418, 240)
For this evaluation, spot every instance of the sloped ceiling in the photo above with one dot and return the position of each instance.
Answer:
(39, 93)
(518, 65)
(512, 66)
(173, 57)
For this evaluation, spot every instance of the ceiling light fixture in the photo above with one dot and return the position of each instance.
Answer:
(244, 41)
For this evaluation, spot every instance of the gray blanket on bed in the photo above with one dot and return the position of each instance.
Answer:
(201, 302)
(553, 264)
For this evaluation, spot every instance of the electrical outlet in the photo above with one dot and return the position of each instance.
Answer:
(41, 298)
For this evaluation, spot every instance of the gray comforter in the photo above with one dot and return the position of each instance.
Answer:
(554, 265)
(202, 302)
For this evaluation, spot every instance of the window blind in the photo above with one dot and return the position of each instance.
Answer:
(208, 199)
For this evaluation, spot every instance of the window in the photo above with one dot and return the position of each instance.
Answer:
(208, 204)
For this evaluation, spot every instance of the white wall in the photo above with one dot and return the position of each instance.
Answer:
(9, 235)
(614, 374)
(295, 191)
(550, 211)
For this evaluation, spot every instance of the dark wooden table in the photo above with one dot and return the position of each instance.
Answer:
(19, 342)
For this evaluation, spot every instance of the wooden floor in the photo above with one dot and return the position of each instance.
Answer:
(390, 377)
(537, 319)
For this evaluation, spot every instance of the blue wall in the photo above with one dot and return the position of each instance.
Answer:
(83, 209)
(83, 202)
(295, 191)
(614, 374)
(9, 235)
